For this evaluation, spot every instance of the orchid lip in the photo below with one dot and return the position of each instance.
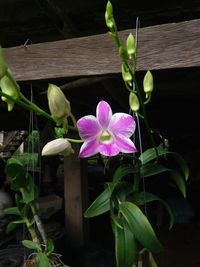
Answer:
(105, 137)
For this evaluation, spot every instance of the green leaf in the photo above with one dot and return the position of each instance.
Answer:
(178, 179)
(28, 160)
(151, 169)
(12, 211)
(125, 247)
(10, 227)
(42, 260)
(151, 154)
(182, 165)
(31, 245)
(14, 168)
(100, 205)
(18, 182)
(154, 168)
(13, 225)
(122, 171)
(50, 246)
(29, 191)
(140, 226)
(121, 190)
(145, 197)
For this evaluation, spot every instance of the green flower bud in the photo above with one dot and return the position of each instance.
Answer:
(58, 104)
(148, 83)
(126, 75)
(3, 66)
(58, 146)
(130, 45)
(109, 9)
(11, 88)
(110, 22)
(134, 102)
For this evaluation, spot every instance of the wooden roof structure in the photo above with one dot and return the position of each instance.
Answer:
(66, 42)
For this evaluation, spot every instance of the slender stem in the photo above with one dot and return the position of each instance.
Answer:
(30, 106)
(74, 140)
(35, 108)
(20, 103)
(39, 224)
(136, 183)
(73, 120)
(145, 116)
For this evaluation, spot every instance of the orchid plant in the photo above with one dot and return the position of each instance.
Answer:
(110, 135)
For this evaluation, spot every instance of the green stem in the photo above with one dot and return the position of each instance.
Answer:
(136, 183)
(145, 116)
(39, 224)
(74, 140)
(33, 234)
(35, 108)
(73, 120)
(27, 105)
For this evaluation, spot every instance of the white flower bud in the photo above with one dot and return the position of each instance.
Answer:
(57, 146)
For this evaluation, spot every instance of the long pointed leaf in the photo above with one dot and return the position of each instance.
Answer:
(146, 197)
(152, 153)
(12, 211)
(140, 226)
(123, 171)
(151, 169)
(178, 179)
(100, 205)
(181, 164)
(125, 247)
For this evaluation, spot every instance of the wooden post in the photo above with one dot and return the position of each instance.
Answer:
(75, 190)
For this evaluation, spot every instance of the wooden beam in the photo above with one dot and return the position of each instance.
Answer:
(174, 45)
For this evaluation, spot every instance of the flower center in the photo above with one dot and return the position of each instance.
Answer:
(105, 137)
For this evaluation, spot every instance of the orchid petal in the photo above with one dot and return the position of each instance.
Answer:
(122, 124)
(88, 148)
(125, 145)
(89, 127)
(104, 113)
(109, 149)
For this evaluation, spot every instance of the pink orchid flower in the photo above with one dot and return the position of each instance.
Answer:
(107, 133)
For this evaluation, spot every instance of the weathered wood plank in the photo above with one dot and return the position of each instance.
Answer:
(75, 190)
(174, 45)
